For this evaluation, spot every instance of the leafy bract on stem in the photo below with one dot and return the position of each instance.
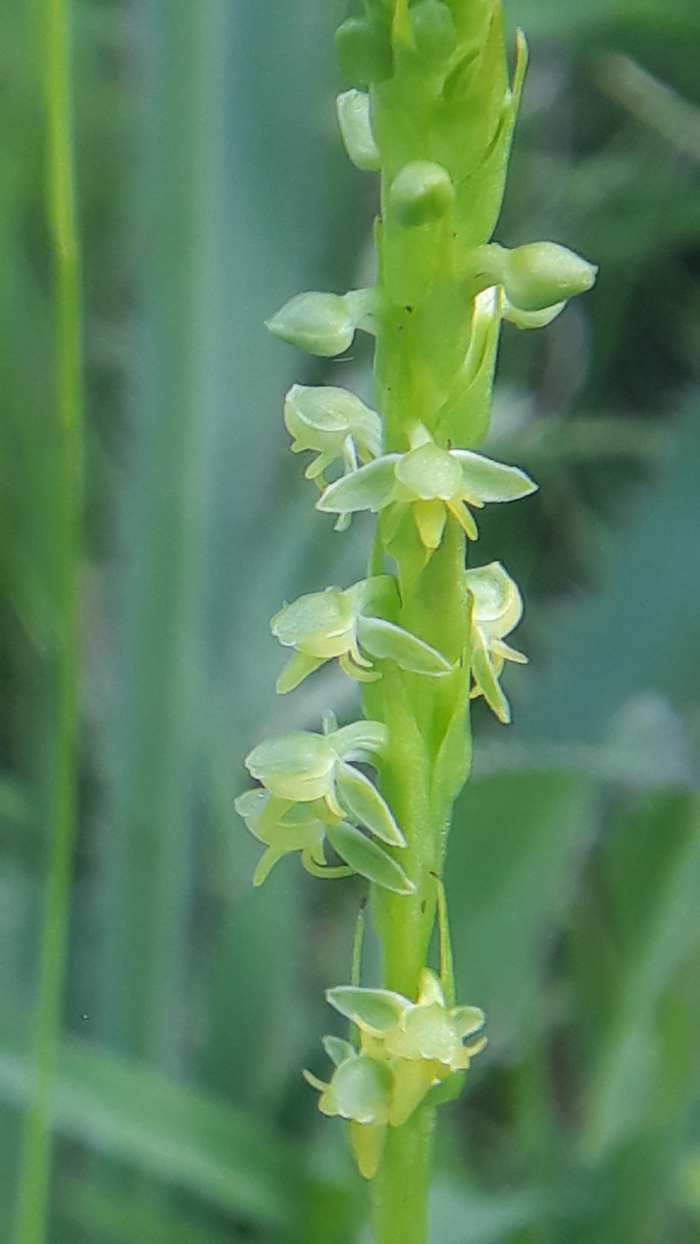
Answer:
(430, 105)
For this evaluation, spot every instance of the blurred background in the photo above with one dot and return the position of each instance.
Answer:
(211, 187)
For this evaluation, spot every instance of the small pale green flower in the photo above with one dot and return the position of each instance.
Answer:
(334, 424)
(285, 828)
(406, 1049)
(340, 624)
(434, 482)
(497, 609)
(312, 794)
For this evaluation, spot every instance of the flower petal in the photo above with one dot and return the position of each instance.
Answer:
(430, 518)
(386, 641)
(363, 801)
(486, 480)
(370, 488)
(338, 1050)
(296, 670)
(374, 1010)
(368, 859)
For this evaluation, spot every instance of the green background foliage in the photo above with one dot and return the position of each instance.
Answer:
(212, 186)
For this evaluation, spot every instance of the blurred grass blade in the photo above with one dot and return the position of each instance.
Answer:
(113, 1217)
(176, 1134)
(63, 527)
(510, 878)
(654, 103)
(663, 884)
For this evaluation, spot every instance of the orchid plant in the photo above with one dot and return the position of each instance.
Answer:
(430, 107)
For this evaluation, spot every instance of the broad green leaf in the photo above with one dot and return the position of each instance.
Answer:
(388, 642)
(177, 1134)
(660, 890)
(368, 859)
(362, 800)
(513, 859)
(377, 1010)
(122, 1220)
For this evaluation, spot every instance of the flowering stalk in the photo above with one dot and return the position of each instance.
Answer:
(432, 109)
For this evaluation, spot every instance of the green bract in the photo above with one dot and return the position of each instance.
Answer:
(497, 609)
(434, 482)
(405, 1050)
(339, 624)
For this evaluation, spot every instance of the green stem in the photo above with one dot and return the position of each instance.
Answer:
(33, 1202)
(402, 1185)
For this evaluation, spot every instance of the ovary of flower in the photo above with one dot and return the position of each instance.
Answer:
(433, 482)
(333, 623)
(497, 610)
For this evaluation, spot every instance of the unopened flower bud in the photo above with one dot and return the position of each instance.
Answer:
(421, 192)
(355, 122)
(318, 323)
(543, 273)
(364, 52)
(434, 30)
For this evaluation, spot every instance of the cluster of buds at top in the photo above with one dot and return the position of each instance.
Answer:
(405, 1050)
